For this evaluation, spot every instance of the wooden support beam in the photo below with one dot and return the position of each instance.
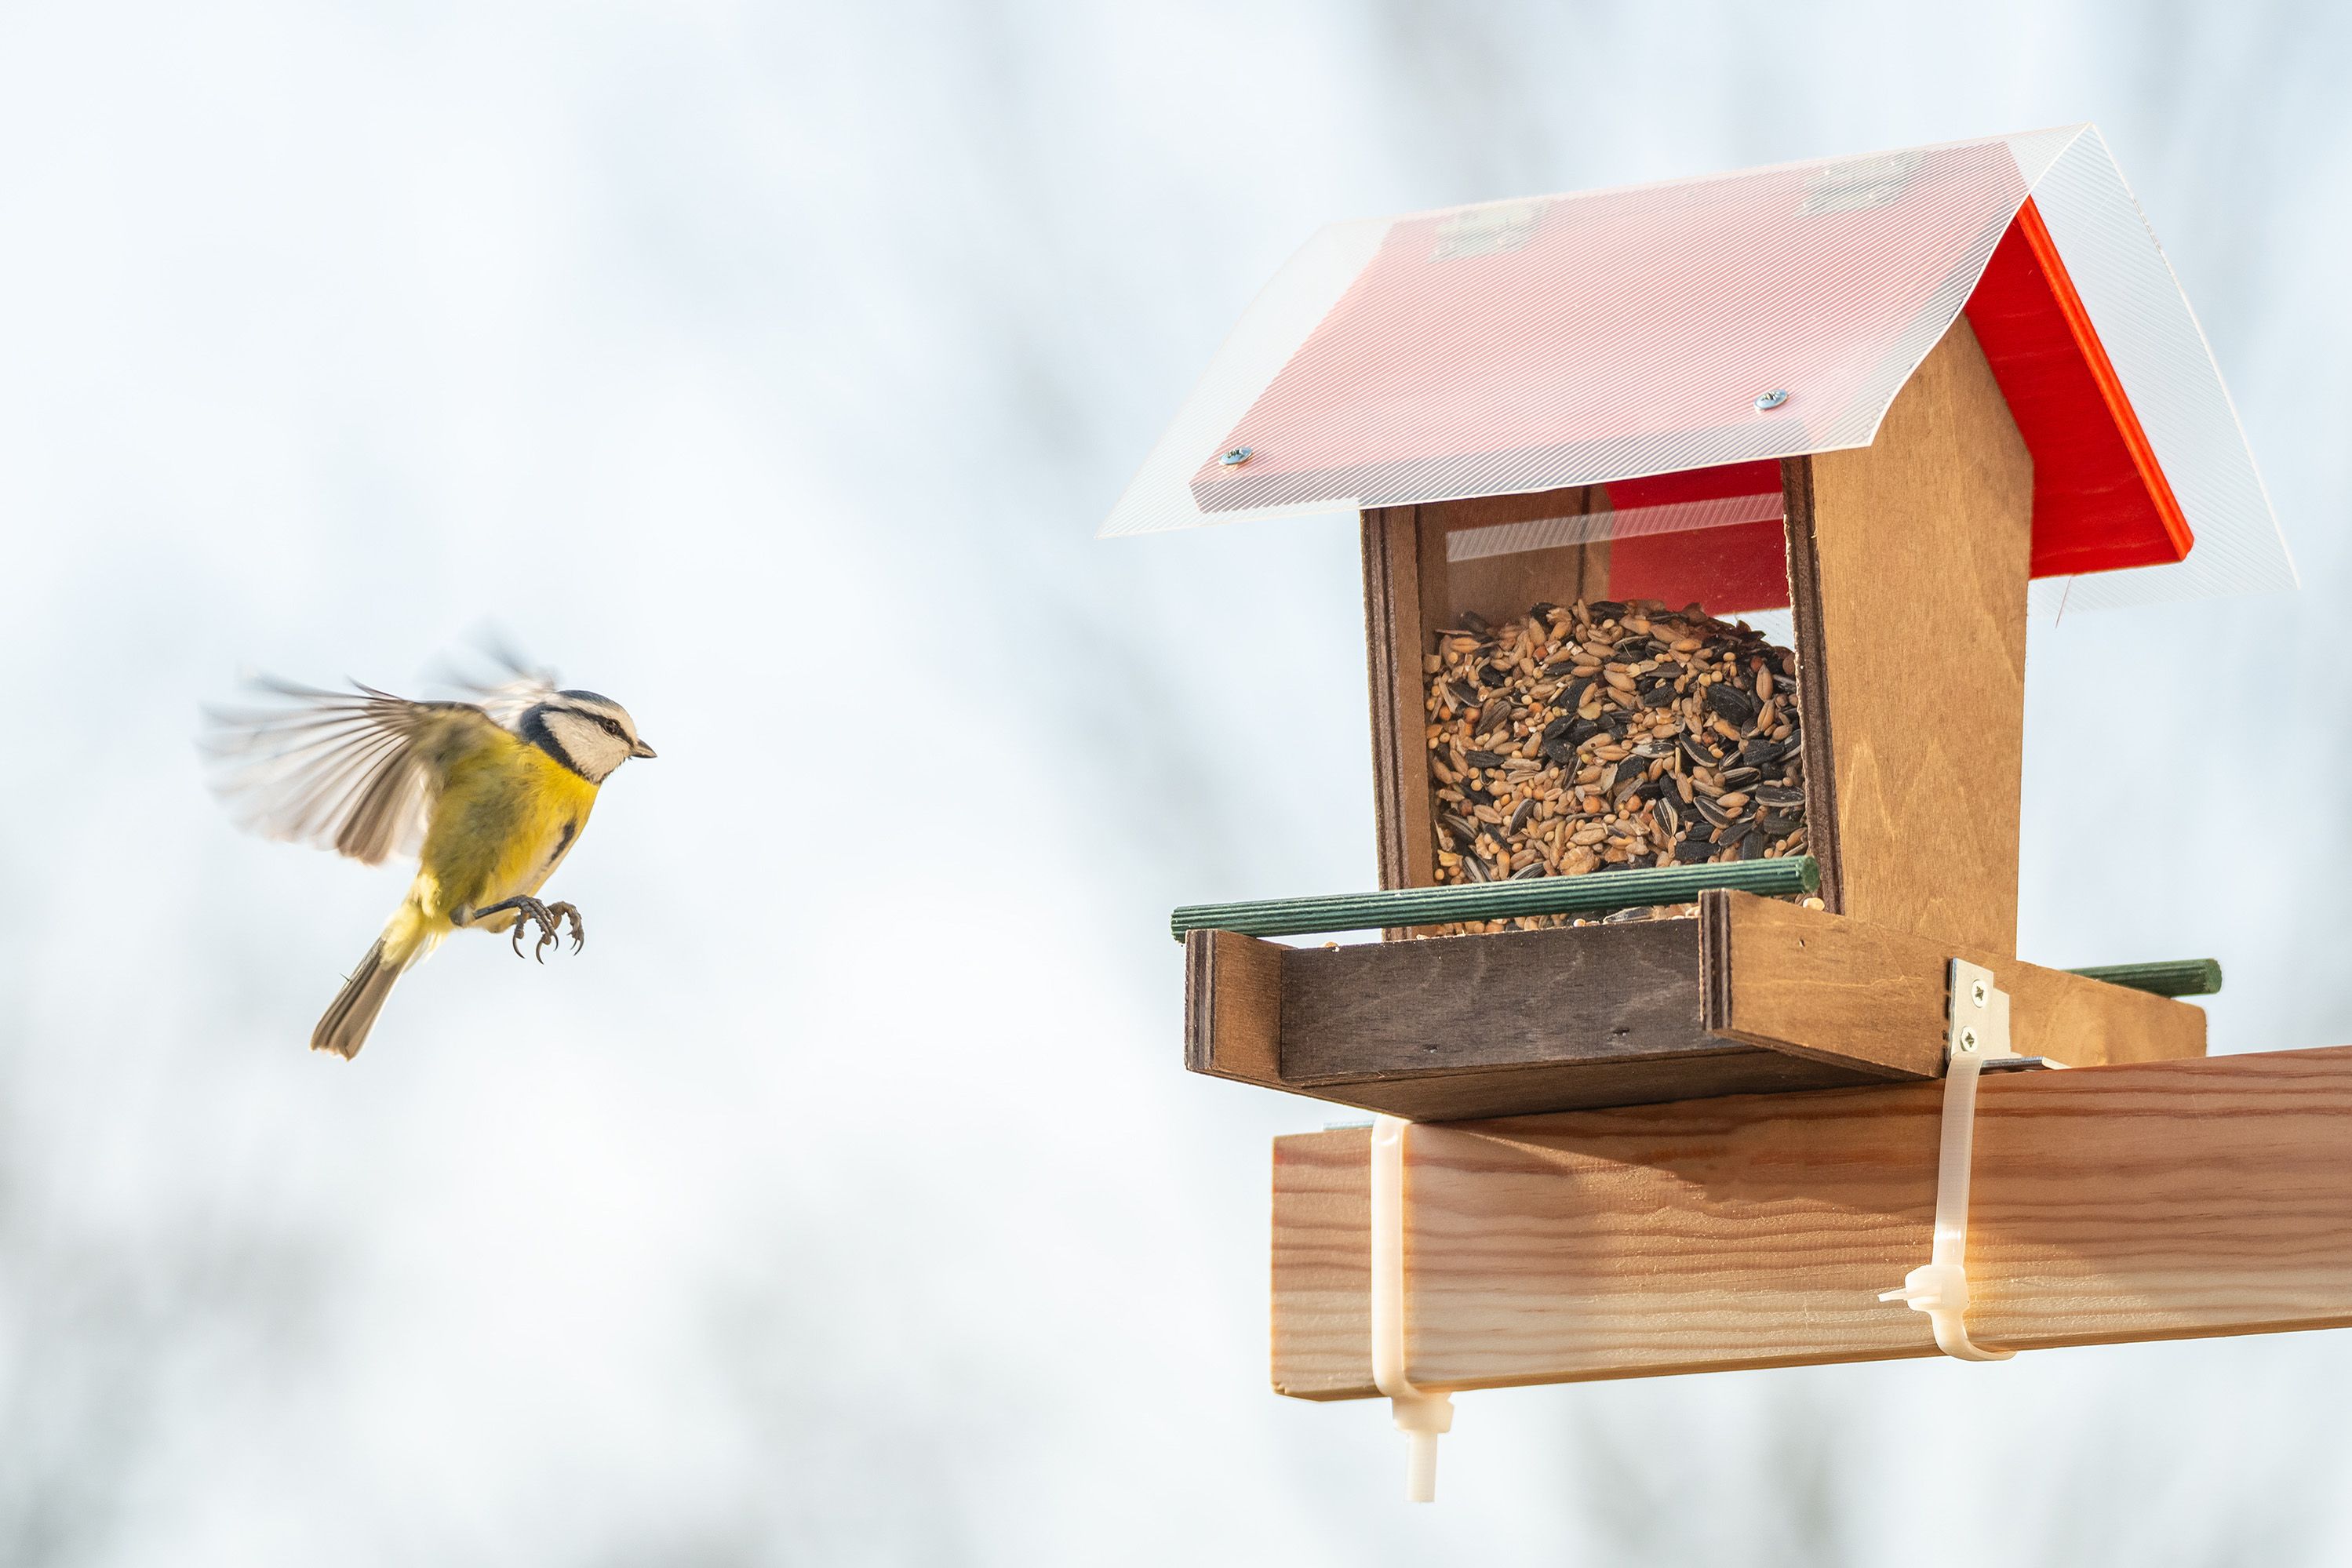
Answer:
(2140, 1201)
(1754, 996)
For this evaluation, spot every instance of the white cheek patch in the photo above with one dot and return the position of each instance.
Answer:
(595, 751)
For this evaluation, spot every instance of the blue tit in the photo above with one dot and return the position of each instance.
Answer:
(489, 797)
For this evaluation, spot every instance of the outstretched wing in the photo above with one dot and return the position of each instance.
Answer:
(512, 689)
(355, 771)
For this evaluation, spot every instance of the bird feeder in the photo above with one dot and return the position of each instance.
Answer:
(1702, 524)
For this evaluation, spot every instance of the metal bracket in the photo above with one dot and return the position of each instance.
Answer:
(1976, 1038)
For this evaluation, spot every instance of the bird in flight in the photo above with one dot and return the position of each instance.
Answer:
(490, 796)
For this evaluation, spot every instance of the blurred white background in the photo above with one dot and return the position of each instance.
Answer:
(769, 367)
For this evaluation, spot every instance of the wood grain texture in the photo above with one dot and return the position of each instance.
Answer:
(1755, 995)
(1232, 1006)
(2140, 1201)
(1817, 746)
(1921, 543)
(1394, 644)
(1467, 1026)
(1817, 984)
(1517, 1022)
(1443, 1095)
(1584, 993)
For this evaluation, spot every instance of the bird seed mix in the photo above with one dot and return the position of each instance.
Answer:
(1590, 736)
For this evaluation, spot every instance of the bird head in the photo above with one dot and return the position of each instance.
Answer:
(594, 735)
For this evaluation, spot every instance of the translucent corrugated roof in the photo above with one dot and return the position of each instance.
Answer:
(1582, 339)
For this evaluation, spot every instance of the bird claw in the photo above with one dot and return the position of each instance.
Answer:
(549, 919)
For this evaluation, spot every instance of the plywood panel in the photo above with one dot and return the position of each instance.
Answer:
(1465, 1027)
(1572, 994)
(1919, 546)
(1394, 641)
(1232, 1006)
(1814, 983)
(1817, 735)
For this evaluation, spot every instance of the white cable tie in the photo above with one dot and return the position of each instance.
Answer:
(1420, 1416)
(1977, 1032)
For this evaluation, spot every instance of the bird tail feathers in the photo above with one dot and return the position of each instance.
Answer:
(351, 1014)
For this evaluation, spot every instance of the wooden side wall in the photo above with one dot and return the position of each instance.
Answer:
(1909, 562)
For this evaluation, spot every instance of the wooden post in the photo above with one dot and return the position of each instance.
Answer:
(2149, 1200)
(1909, 562)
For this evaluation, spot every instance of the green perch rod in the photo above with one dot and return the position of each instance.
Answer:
(1598, 893)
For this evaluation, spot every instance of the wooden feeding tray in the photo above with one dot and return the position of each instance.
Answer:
(1752, 995)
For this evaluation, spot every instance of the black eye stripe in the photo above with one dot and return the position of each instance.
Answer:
(611, 725)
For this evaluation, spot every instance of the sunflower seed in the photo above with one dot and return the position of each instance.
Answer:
(1606, 735)
(1731, 703)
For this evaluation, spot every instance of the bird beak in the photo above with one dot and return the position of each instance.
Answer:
(642, 749)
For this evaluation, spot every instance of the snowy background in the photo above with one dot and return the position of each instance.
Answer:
(770, 369)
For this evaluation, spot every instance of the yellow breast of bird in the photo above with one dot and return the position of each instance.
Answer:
(507, 815)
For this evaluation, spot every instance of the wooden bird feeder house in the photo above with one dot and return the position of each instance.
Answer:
(1702, 523)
